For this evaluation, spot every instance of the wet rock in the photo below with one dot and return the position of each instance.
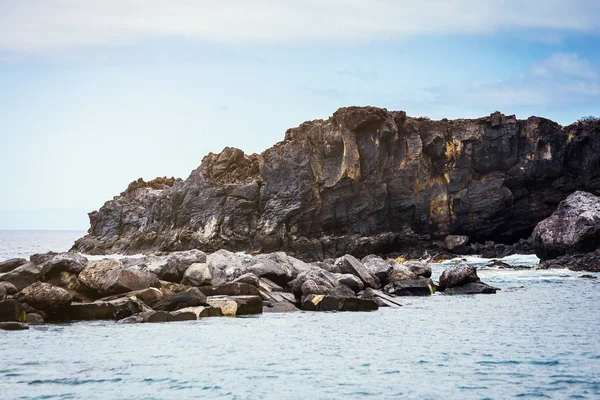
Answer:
(190, 298)
(22, 276)
(100, 310)
(107, 277)
(382, 299)
(249, 279)
(146, 317)
(350, 265)
(588, 276)
(280, 307)
(13, 326)
(63, 262)
(126, 307)
(9, 265)
(332, 303)
(11, 310)
(45, 296)
(230, 289)
(573, 228)
(32, 310)
(9, 288)
(378, 267)
(197, 275)
(575, 262)
(471, 288)
(236, 305)
(34, 319)
(458, 275)
(2, 293)
(411, 287)
(352, 281)
(455, 242)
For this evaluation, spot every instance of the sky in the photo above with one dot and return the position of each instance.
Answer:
(95, 94)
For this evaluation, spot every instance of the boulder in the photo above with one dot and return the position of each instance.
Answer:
(34, 319)
(455, 242)
(401, 273)
(573, 228)
(575, 262)
(471, 288)
(249, 279)
(100, 310)
(319, 278)
(333, 303)
(169, 288)
(350, 265)
(378, 267)
(9, 288)
(173, 266)
(352, 281)
(66, 280)
(225, 266)
(11, 310)
(194, 313)
(458, 275)
(418, 268)
(190, 298)
(63, 262)
(126, 307)
(382, 299)
(148, 296)
(13, 326)
(230, 289)
(236, 305)
(278, 267)
(107, 277)
(2, 293)
(23, 276)
(410, 287)
(146, 316)
(197, 274)
(9, 265)
(45, 296)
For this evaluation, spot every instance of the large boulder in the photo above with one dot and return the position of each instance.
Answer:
(352, 281)
(197, 274)
(13, 326)
(458, 275)
(409, 287)
(575, 262)
(236, 305)
(418, 268)
(63, 262)
(350, 265)
(9, 288)
(192, 297)
(23, 276)
(99, 310)
(108, 277)
(148, 296)
(45, 296)
(9, 265)
(11, 310)
(471, 288)
(173, 266)
(193, 313)
(573, 228)
(335, 303)
(230, 289)
(318, 281)
(455, 242)
(225, 266)
(401, 273)
(278, 267)
(378, 267)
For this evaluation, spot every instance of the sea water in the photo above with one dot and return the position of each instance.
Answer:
(538, 337)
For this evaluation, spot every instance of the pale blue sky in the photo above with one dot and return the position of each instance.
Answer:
(96, 94)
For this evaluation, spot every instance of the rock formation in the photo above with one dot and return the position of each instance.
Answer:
(366, 180)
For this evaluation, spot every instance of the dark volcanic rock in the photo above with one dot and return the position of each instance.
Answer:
(458, 275)
(573, 228)
(575, 262)
(13, 326)
(336, 303)
(11, 310)
(365, 181)
(190, 298)
(411, 287)
(471, 288)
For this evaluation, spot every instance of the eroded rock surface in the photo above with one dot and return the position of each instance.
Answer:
(366, 180)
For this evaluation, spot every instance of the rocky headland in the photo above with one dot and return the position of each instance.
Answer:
(337, 217)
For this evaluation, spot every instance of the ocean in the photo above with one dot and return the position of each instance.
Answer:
(536, 338)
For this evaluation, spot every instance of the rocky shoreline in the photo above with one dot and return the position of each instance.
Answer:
(191, 285)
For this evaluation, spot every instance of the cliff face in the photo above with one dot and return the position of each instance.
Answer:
(365, 180)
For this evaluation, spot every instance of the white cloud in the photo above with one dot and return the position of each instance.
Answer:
(563, 64)
(561, 79)
(47, 25)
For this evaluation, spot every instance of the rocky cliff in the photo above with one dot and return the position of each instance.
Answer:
(366, 180)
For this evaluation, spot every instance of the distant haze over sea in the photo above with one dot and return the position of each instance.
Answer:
(45, 219)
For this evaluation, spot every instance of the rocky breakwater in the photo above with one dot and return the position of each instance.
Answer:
(190, 285)
(570, 237)
(364, 181)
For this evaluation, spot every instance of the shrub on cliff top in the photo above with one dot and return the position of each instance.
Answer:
(588, 118)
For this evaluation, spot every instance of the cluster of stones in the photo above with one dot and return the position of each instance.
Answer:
(189, 285)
